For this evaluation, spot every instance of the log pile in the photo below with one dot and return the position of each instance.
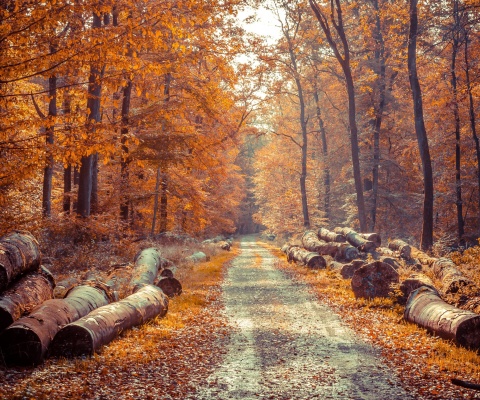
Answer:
(329, 236)
(356, 239)
(309, 258)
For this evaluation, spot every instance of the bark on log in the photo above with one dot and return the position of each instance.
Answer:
(147, 264)
(425, 308)
(374, 280)
(24, 295)
(385, 251)
(346, 252)
(329, 236)
(19, 253)
(341, 251)
(311, 242)
(386, 259)
(63, 286)
(197, 257)
(310, 259)
(452, 278)
(413, 282)
(356, 240)
(101, 326)
(26, 341)
(421, 256)
(170, 286)
(347, 270)
(372, 237)
(402, 247)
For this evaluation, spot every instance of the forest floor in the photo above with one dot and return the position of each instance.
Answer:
(249, 325)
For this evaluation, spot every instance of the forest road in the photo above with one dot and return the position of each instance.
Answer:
(287, 345)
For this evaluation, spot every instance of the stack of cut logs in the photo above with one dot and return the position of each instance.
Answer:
(34, 325)
(445, 310)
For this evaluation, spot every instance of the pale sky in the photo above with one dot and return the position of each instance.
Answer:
(266, 23)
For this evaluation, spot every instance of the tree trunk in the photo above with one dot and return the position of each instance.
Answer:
(413, 282)
(88, 163)
(49, 133)
(26, 341)
(456, 115)
(326, 168)
(67, 189)
(164, 203)
(19, 253)
(101, 326)
(329, 236)
(356, 240)
(374, 280)
(427, 229)
(125, 114)
(425, 308)
(24, 295)
(309, 258)
(155, 202)
(451, 277)
(147, 264)
(402, 247)
(473, 127)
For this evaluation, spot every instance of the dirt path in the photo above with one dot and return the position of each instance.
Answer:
(287, 345)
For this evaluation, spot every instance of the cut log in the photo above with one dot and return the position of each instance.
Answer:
(451, 277)
(147, 264)
(24, 295)
(346, 252)
(329, 236)
(26, 341)
(372, 237)
(388, 260)
(19, 253)
(197, 257)
(402, 247)
(101, 326)
(421, 256)
(425, 308)
(413, 282)
(170, 286)
(385, 251)
(168, 272)
(311, 242)
(309, 258)
(63, 286)
(374, 280)
(356, 240)
(347, 270)
(224, 245)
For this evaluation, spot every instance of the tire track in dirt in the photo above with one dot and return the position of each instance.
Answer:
(287, 345)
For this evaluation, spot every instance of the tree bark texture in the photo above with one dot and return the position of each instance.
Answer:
(356, 240)
(422, 257)
(413, 282)
(147, 265)
(329, 236)
(26, 341)
(341, 251)
(24, 295)
(19, 253)
(49, 140)
(374, 280)
(427, 229)
(347, 270)
(102, 325)
(402, 247)
(309, 258)
(451, 277)
(372, 237)
(425, 308)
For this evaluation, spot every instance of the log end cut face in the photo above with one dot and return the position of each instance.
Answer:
(468, 333)
(374, 280)
(6, 319)
(21, 347)
(170, 286)
(72, 341)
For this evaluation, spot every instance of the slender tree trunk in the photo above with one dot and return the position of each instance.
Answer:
(336, 20)
(155, 203)
(163, 203)
(88, 163)
(456, 114)
(427, 229)
(326, 169)
(377, 125)
(127, 95)
(473, 126)
(49, 133)
(67, 171)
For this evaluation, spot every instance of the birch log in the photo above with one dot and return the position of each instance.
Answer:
(374, 280)
(101, 326)
(372, 237)
(356, 240)
(329, 236)
(309, 258)
(452, 278)
(147, 264)
(425, 308)
(19, 253)
(413, 282)
(26, 341)
(402, 247)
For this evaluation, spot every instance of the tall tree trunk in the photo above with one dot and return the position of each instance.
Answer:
(163, 203)
(472, 122)
(93, 105)
(49, 138)
(456, 114)
(67, 171)
(127, 95)
(427, 229)
(380, 69)
(155, 202)
(336, 20)
(326, 169)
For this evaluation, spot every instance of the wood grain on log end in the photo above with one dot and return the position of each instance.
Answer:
(374, 280)
(170, 286)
